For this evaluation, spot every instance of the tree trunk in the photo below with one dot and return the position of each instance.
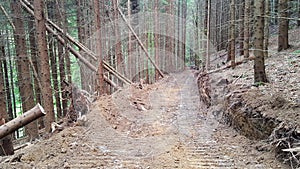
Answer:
(283, 36)
(247, 28)
(24, 74)
(241, 28)
(62, 52)
(6, 145)
(231, 50)
(207, 65)
(156, 37)
(27, 117)
(100, 86)
(44, 59)
(184, 33)
(259, 62)
(267, 32)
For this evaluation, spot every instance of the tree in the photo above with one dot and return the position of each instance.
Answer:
(6, 145)
(44, 62)
(231, 46)
(100, 87)
(208, 35)
(247, 17)
(24, 74)
(156, 36)
(259, 62)
(283, 36)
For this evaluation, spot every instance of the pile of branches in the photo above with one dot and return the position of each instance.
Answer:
(286, 140)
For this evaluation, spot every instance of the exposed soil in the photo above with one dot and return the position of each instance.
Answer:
(160, 126)
(269, 112)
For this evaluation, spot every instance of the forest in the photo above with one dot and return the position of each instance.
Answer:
(61, 59)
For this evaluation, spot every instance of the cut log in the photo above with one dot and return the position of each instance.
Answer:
(22, 120)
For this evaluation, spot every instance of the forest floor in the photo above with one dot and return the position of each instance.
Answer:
(164, 125)
(170, 131)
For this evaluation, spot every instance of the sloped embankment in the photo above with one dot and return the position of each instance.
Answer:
(269, 113)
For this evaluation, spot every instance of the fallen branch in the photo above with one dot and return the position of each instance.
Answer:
(225, 67)
(297, 149)
(7, 16)
(22, 120)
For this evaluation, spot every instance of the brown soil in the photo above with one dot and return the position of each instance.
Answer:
(172, 131)
(269, 112)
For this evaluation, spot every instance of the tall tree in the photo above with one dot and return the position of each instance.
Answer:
(44, 61)
(232, 31)
(100, 87)
(259, 62)
(283, 36)
(62, 55)
(6, 145)
(156, 36)
(247, 17)
(208, 35)
(23, 68)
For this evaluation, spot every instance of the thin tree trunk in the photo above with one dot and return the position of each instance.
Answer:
(231, 50)
(283, 36)
(24, 74)
(266, 31)
(259, 62)
(207, 65)
(6, 147)
(247, 28)
(44, 59)
(156, 37)
(184, 43)
(100, 86)
(61, 56)
(242, 29)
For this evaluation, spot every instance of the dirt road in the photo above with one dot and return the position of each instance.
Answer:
(173, 133)
(170, 131)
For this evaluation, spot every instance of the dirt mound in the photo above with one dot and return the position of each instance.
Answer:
(262, 111)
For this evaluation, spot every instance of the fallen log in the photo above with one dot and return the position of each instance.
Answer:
(22, 120)
(225, 67)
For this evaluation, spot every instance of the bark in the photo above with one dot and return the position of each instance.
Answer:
(118, 45)
(241, 28)
(11, 79)
(61, 56)
(231, 46)
(5, 143)
(156, 37)
(100, 79)
(259, 62)
(44, 59)
(267, 32)
(247, 28)
(27, 117)
(207, 64)
(184, 11)
(24, 74)
(7, 84)
(283, 37)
